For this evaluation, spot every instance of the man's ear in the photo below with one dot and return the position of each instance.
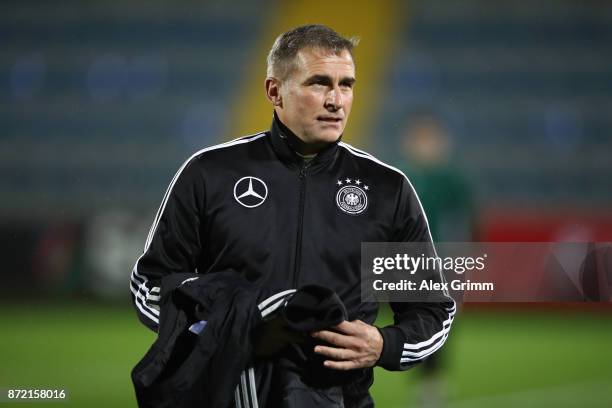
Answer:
(273, 91)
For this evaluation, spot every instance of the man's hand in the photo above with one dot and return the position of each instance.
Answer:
(358, 345)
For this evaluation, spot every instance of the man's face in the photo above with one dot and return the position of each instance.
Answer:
(317, 96)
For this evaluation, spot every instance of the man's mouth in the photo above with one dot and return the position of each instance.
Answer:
(329, 119)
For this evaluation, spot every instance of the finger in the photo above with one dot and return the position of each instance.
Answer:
(341, 365)
(347, 327)
(336, 353)
(334, 338)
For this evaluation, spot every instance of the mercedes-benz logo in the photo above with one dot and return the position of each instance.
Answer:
(250, 191)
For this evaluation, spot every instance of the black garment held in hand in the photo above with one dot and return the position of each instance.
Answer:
(185, 369)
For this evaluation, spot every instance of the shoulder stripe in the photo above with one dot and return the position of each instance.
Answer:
(366, 155)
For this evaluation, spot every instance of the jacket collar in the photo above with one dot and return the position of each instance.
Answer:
(285, 143)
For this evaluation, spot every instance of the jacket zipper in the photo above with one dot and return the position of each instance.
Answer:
(298, 242)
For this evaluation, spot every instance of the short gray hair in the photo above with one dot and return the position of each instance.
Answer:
(281, 59)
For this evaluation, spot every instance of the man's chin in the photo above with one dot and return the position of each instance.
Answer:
(329, 136)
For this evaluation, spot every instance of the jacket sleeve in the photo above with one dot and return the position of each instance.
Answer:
(420, 328)
(173, 244)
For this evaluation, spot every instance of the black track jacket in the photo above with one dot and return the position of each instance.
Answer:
(253, 205)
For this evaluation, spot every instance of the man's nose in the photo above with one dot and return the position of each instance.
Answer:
(334, 99)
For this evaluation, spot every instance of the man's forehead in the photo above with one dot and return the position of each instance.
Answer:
(321, 61)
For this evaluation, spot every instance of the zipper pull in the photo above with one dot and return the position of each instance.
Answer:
(304, 168)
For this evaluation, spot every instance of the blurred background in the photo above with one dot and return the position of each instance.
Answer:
(499, 112)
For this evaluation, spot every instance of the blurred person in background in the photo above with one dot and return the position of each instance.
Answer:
(448, 200)
(444, 190)
(290, 207)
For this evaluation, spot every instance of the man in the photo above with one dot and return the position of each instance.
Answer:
(290, 207)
